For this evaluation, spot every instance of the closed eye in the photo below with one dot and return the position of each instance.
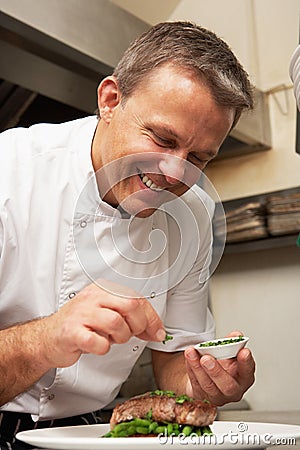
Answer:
(163, 142)
(196, 160)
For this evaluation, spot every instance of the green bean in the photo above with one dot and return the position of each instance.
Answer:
(131, 430)
(142, 422)
(142, 430)
(123, 433)
(187, 429)
(153, 427)
(120, 427)
(169, 429)
(206, 430)
(144, 426)
(175, 429)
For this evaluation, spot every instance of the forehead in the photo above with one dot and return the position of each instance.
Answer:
(167, 75)
(180, 95)
(173, 91)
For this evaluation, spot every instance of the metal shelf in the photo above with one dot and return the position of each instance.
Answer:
(270, 242)
(262, 244)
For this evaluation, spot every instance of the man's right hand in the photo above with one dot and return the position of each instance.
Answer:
(95, 319)
(90, 322)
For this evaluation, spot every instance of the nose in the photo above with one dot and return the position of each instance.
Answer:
(172, 168)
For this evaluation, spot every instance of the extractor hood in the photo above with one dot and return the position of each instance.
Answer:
(67, 64)
(62, 49)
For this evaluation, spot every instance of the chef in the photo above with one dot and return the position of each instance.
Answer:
(106, 239)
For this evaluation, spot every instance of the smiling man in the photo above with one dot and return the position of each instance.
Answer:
(106, 239)
(171, 112)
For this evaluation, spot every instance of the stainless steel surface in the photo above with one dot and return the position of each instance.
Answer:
(47, 66)
(62, 49)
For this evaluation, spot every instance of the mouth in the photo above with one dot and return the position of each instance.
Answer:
(149, 183)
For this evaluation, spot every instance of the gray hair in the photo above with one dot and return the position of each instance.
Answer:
(192, 47)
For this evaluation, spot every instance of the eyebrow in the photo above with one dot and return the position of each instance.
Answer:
(171, 132)
(164, 129)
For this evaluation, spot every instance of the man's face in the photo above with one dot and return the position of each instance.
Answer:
(155, 145)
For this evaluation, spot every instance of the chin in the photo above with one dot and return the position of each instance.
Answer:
(139, 211)
(138, 207)
(145, 213)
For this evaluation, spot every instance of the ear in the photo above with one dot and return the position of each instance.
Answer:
(108, 97)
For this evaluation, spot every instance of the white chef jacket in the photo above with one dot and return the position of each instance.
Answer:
(57, 236)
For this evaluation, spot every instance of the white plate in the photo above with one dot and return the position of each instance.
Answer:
(227, 435)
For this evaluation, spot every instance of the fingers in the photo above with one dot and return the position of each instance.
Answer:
(140, 316)
(111, 324)
(220, 381)
(114, 312)
(223, 380)
(136, 317)
(142, 319)
(96, 318)
(91, 342)
(155, 329)
(202, 384)
(246, 368)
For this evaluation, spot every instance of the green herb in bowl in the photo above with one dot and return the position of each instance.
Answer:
(222, 341)
(222, 348)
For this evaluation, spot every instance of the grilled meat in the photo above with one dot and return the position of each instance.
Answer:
(164, 407)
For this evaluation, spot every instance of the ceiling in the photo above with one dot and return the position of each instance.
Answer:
(45, 79)
(151, 12)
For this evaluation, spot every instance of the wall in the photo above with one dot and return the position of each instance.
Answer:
(258, 293)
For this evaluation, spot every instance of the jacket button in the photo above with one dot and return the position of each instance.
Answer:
(135, 348)
(72, 294)
(51, 397)
(83, 224)
(153, 294)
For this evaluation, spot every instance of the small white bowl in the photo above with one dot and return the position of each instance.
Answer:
(222, 351)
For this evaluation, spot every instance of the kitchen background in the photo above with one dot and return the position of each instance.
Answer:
(53, 54)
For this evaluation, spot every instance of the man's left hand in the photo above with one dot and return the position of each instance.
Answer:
(221, 381)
